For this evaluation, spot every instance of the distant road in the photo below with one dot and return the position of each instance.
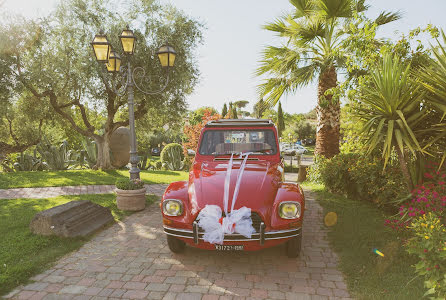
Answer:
(306, 160)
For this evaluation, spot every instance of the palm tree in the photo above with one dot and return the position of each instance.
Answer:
(391, 109)
(315, 34)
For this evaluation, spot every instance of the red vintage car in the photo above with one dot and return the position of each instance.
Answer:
(238, 157)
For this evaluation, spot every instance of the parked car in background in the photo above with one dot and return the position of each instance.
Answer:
(190, 152)
(293, 149)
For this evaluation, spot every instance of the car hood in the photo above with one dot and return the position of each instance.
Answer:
(258, 187)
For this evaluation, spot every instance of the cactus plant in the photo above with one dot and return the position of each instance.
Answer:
(57, 158)
(90, 152)
(26, 162)
(172, 156)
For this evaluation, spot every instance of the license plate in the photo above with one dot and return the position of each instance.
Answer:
(229, 247)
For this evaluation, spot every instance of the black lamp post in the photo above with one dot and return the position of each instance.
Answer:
(104, 54)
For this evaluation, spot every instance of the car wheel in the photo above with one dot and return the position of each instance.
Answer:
(175, 245)
(293, 246)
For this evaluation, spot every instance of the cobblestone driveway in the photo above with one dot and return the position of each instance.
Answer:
(131, 260)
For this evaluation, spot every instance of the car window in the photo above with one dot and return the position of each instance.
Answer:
(262, 142)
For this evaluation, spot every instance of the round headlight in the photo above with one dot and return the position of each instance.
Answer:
(289, 210)
(172, 207)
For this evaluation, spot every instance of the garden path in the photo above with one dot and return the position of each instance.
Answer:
(131, 260)
(48, 192)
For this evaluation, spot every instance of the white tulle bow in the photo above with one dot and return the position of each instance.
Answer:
(239, 220)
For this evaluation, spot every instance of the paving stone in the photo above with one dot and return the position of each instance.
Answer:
(37, 286)
(158, 287)
(54, 279)
(297, 296)
(135, 294)
(73, 289)
(189, 296)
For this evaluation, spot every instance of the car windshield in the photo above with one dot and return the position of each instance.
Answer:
(218, 142)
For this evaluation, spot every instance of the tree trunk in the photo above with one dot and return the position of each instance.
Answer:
(404, 169)
(103, 143)
(328, 116)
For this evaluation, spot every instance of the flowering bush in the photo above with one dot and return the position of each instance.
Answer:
(429, 197)
(429, 244)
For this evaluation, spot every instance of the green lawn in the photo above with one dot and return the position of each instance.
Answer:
(82, 177)
(360, 228)
(23, 254)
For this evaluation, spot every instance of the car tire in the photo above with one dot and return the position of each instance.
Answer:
(293, 246)
(175, 245)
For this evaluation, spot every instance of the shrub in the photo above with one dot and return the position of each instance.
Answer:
(158, 165)
(359, 176)
(129, 184)
(172, 156)
(429, 244)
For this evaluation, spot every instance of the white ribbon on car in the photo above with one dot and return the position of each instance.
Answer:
(210, 217)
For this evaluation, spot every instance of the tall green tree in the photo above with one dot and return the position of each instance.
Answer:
(234, 112)
(259, 108)
(314, 34)
(58, 65)
(224, 112)
(280, 120)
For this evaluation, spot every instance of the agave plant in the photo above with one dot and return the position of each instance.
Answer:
(433, 79)
(391, 109)
(26, 162)
(172, 156)
(57, 157)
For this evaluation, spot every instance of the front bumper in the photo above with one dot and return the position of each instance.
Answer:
(261, 236)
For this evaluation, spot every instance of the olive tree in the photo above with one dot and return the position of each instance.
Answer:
(57, 64)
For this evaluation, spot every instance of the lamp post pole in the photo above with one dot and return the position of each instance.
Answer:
(134, 170)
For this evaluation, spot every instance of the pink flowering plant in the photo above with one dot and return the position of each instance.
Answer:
(429, 244)
(429, 197)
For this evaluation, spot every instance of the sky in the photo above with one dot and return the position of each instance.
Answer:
(234, 39)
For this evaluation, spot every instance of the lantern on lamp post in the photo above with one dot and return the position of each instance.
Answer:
(114, 62)
(104, 54)
(101, 47)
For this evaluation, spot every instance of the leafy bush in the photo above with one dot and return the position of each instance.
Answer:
(129, 184)
(359, 176)
(429, 244)
(172, 156)
(158, 165)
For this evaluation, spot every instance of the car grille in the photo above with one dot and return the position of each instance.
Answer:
(256, 221)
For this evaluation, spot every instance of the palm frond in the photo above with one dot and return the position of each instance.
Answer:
(332, 9)
(272, 89)
(278, 26)
(303, 8)
(360, 6)
(388, 17)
